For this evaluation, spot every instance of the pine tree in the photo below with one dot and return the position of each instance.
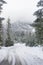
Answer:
(1, 4)
(8, 42)
(38, 23)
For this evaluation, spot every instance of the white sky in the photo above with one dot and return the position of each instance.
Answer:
(20, 10)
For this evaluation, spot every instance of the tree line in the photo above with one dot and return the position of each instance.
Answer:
(37, 24)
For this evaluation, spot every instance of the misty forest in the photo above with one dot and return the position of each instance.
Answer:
(21, 43)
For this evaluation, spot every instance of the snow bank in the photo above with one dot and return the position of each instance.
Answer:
(19, 54)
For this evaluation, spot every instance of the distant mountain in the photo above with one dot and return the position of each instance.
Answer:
(21, 26)
(18, 29)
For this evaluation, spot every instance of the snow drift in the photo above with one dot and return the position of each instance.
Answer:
(19, 54)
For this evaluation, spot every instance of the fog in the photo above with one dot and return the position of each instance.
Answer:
(20, 10)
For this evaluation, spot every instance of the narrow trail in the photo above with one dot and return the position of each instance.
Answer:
(19, 54)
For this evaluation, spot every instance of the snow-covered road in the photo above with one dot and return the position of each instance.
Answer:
(19, 54)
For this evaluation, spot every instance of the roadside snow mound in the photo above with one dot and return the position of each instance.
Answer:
(19, 54)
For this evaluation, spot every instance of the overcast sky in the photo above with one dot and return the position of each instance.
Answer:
(20, 10)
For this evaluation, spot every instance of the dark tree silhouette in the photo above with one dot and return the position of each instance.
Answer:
(8, 41)
(1, 4)
(38, 23)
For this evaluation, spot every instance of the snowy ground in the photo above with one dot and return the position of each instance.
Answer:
(19, 54)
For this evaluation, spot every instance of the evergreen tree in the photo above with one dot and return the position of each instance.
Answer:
(38, 23)
(1, 4)
(8, 42)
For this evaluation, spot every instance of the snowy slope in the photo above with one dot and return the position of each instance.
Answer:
(21, 26)
(19, 54)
